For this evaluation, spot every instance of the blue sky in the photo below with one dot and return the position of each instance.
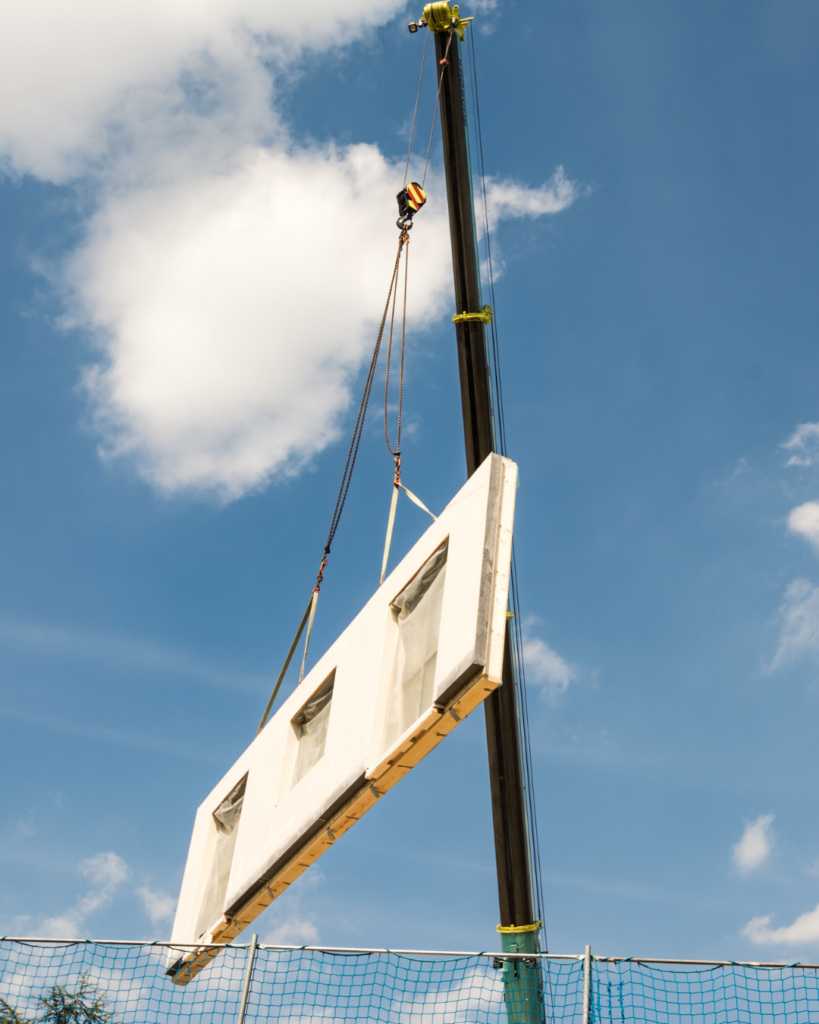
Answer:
(198, 229)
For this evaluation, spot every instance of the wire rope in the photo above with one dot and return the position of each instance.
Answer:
(391, 297)
(437, 104)
(415, 111)
(404, 224)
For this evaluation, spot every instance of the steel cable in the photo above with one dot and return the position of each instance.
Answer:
(514, 597)
(355, 441)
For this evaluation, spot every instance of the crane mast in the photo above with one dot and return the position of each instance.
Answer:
(518, 925)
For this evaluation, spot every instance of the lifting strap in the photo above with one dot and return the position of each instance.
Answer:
(396, 452)
(310, 612)
(410, 199)
(313, 603)
(310, 607)
(397, 485)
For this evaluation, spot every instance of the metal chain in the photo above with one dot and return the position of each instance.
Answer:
(352, 453)
(396, 452)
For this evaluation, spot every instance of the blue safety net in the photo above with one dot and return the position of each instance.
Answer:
(668, 994)
(100, 983)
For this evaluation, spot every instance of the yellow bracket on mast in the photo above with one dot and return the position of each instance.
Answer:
(484, 317)
(512, 929)
(440, 17)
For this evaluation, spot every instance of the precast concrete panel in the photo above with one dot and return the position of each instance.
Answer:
(289, 817)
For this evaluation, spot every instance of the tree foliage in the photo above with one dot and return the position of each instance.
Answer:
(87, 1004)
(8, 1015)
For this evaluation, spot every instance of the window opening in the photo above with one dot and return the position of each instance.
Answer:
(226, 819)
(311, 728)
(417, 611)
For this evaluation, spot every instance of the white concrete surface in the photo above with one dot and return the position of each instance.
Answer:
(276, 816)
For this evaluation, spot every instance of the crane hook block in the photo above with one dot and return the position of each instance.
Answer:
(410, 200)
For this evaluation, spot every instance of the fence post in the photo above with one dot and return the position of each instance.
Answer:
(587, 986)
(251, 956)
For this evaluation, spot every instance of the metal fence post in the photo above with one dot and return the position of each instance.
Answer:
(251, 957)
(586, 986)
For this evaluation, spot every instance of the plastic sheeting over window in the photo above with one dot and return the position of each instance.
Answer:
(226, 819)
(311, 727)
(417, 610)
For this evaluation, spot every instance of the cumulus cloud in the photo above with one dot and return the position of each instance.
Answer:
(803, 445)
(804, 521)
(799, 615)
(159, 906)
(804, 929)
(105, 870)
(89, 75)
(230, 277)
(754, 848)
(233, 311)
(292, 931)
(547, 668)
(105, 873)
(506, 199)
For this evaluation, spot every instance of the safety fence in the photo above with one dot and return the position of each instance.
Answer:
(100, 982)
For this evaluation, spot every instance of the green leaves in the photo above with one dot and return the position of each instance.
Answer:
(8, 1015)
(87, 1004)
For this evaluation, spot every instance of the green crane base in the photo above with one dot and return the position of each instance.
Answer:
(522, 987)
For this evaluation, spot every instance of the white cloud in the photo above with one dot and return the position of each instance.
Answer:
(804, 929)
(506, 199)
(804, 521)
(159, 906)
(293, 931)
(230, 278)
(105, 872)
(234, 310)
(65, 927)
(803, 445)
(799, 613)
(755, 846)
(547, 668)
(89, 74)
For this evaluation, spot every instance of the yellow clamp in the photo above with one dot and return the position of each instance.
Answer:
(514, 929)
(440, 17)
(484, 317)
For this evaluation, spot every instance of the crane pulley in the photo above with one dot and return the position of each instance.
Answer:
(410, 200)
